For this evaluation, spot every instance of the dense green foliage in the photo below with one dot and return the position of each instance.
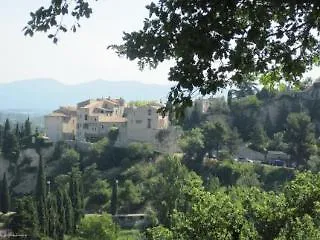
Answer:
(25, 220)
(247, 213)
(301, 136)
(98, 227)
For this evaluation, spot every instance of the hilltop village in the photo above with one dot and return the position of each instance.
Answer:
(93, 119)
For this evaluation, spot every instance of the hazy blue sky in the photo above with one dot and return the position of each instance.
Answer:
(78, 57)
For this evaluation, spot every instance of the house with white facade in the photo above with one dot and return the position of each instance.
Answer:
(60, 125)
(143, 123)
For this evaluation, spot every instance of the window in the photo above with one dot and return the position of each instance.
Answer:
(85, 126)
(138, 121)
(86, 117)
(149, 112)
(102, 126)
(149, 123)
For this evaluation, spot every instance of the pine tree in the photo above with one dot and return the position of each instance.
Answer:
(114, 198)
(259, 138)
(41, 198)
(300, 136)
(5, 195)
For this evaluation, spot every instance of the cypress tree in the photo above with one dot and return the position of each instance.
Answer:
(41, 198)
(42, 216)
(1, 134)
(75, 195)
(53, 220)
(17, 131)
(27, 128)
(27, 132)
(61, 212)
(41, 182)
(10, 146)
(114, 198)
(6, 144)
(5, 196)
(69, 214)
(7, 127)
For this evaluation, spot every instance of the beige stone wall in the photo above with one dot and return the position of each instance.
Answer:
(145, 117)
(69, 126)
(54, 127)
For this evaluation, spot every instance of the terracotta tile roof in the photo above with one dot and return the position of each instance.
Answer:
(92, 104)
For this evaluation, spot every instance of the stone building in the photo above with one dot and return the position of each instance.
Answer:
(61, 124)
(96, 117)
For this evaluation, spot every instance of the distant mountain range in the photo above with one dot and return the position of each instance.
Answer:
(36, 95)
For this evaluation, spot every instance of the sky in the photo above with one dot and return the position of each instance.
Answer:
(79, 57)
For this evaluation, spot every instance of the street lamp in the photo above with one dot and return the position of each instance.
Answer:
(48, 183)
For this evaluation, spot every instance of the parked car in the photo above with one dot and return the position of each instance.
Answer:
(243, 159)
(277, 162)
